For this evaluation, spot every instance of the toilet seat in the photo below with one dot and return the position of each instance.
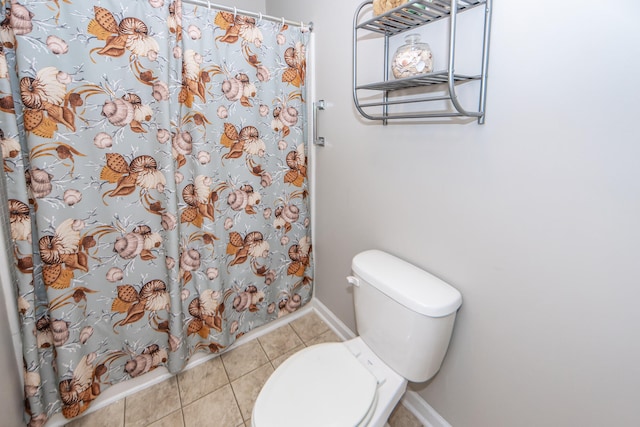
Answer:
(321, 386)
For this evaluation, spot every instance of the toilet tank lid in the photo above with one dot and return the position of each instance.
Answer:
(411, 286)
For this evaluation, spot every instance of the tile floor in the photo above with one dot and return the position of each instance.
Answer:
(221, 392)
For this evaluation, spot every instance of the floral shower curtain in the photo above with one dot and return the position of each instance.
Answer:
(156, 178)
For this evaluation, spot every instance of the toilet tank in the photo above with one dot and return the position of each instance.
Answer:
(403, 313)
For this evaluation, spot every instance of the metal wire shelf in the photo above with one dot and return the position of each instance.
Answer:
(415, 14)
(429, 79)
(410, 15)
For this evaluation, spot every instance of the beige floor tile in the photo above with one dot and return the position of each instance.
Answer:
(401, 417)
(172, 420)
(244, 359)
(201, 380)
(110, 416)
(247, 387)
(152, 404)
(328, 336)
(280, 359)
(279, 342)
(215, 409)
(309, 326)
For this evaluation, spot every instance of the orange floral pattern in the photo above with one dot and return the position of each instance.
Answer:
(156, 170)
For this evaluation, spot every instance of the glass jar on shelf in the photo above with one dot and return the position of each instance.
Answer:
(412, 59)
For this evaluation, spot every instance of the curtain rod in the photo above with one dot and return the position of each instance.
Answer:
(235, 11)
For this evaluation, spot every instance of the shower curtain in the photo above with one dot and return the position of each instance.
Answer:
(156, 184)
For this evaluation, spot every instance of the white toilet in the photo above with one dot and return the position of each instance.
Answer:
(404, 317)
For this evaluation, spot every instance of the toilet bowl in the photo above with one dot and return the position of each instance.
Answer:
(404, 318)
(330, 384)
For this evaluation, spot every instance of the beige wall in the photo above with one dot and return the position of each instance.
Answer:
(534, 217)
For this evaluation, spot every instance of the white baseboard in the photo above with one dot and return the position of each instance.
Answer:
(422, 410)
(332, 320)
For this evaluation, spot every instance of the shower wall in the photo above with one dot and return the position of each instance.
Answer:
(533, 216)
(10, 392)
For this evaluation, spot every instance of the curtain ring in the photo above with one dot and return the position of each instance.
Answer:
(283, 21)
(209, 4)
(235, 12)
(259, 17)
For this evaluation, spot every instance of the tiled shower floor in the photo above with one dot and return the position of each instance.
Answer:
(221, 392)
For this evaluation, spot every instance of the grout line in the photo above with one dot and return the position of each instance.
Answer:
(235, 398)
(226, 372)
(180, 398)
(251, 371)
(265, 353)
(237, 403)
(298, 335)
(179, 392)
